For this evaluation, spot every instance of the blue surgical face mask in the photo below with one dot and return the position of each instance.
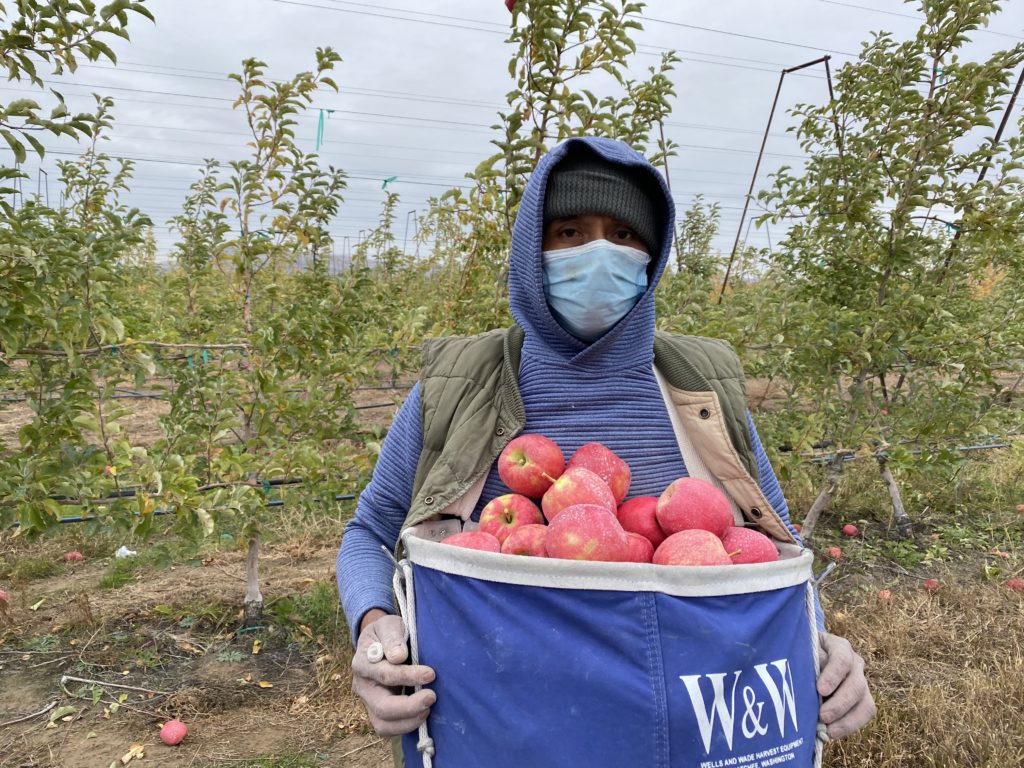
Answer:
(591, 287)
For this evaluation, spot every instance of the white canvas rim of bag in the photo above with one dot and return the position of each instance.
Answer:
(793, 567)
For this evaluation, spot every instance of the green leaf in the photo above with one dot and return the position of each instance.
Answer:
(16, 146)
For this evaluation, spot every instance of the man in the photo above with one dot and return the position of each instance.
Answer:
(591, 240)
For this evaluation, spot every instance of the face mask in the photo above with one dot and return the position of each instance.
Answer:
(591, 287)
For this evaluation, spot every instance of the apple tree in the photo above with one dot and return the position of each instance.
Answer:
(895, 304)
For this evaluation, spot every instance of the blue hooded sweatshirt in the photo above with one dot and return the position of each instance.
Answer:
(574, 393)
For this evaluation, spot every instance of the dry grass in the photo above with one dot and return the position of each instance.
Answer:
(947, 671)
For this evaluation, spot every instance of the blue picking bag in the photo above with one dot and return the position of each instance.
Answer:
(544, 662)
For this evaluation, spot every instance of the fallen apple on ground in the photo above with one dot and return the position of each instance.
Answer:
(835, 553)
(529, 464)
(746, 546)
(586, 532)
(172, 732)
(504, 514)
(73, 557)
(931, 585)
(485, 542)
(605, 464)
(693, 546)
(850, 530)
(689, 503)
(576, 486)
(1016, 584)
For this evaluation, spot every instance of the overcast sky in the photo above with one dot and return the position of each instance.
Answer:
(421, 83)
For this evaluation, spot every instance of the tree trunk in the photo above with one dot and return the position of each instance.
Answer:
(832, 478)
(904, 528)
(253, 596)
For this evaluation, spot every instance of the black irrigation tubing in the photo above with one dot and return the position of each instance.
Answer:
(159, 512)
(829, 457)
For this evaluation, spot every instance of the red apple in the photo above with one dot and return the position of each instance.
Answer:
(526, 540)
(690, 502)
(1020, 508)
(510, 4)
(172, 732)
(798, 528)
(73, 557)
(884, 595)
(640, 548)
(577, 486)
(606, 465)
(693, 546)
(639, 515)
(587, 532)
(485, 542)
(931, 585)
(504, 514)
(745, 545)
(850, 530)
(834, 552)
(530, 464)
(1017, 585)
(5, 598)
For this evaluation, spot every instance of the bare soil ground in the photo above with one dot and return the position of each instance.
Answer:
(170, 638)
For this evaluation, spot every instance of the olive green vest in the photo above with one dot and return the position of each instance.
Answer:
(471, 408)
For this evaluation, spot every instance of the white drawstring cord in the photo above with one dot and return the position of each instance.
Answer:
(406, 599)
(822, 730)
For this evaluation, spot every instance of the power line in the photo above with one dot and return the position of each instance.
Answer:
(388, 16)
(915, 17)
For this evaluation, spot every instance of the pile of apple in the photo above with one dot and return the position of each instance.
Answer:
(582, 514)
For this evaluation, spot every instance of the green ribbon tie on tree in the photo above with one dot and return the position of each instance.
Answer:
(388, 181)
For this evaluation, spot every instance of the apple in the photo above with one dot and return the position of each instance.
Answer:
(529, 464)
(690, 502)
(1016, 584)
(639, 515)
(850, 530)
(693, 546)
(640, 548)
(73, 556)
(931, 585)
(5, 599)
(1020, 508)
(606, 465)
(587, 532)
(884, 595)
(526, 540)
(485, 542)
(504, 514)
(745, 545)
(510, 4)
(172, 732)
(798, 528)
(576, 486)
(835, 553)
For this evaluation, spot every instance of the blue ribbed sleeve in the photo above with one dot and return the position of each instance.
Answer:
(364, 570)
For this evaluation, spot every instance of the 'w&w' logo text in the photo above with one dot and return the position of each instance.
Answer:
(753, 721)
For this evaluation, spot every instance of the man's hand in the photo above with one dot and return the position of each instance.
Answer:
(379, 683)
(848, 705)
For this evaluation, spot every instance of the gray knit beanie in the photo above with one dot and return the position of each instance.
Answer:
(585, 183)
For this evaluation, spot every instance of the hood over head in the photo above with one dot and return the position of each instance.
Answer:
(631, 340)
